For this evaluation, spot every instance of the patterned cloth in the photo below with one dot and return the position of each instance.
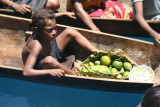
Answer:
(114, 10)
(86, 4)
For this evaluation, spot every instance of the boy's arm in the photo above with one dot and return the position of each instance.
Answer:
(84, 15)
(69, 14)
(138, 6)
(31, 61)
(22, 8)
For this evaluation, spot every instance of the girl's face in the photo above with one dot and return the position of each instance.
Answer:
(49, 31)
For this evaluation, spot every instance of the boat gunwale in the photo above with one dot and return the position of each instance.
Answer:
(83, 77)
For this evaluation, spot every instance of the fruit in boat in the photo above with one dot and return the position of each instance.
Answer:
(125, 74)
(117, 64)
(122, 70)
(91, 64)
(127, 66)
(105, 60)
(114, 70)
(101, 68)
(84, 71)
(119, 76)
(97, 62)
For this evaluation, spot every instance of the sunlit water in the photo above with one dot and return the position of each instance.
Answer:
(19, 93)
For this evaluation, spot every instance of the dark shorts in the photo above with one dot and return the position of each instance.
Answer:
(57, 54)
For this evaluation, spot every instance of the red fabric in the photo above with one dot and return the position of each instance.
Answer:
(114, 9)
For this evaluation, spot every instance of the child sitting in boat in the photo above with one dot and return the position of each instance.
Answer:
(44, 52)
(147, 10)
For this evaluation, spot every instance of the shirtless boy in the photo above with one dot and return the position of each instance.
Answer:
(43, 52)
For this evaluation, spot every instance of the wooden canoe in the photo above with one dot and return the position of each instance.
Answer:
(13, 35)
(121, 27)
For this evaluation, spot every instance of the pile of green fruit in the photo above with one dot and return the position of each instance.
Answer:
(107, 64)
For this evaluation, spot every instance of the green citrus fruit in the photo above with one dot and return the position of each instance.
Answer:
(122, 70)
(105, 60)
(127, 66)
(114, 70)
(97, 62)
(119, 76)
(117, 64)
(126, 74)
(91, 64)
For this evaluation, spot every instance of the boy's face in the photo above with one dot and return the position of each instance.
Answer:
(50, 29)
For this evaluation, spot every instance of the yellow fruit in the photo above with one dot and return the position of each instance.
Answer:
(105, 60)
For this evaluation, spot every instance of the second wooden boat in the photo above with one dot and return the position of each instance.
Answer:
(121, 27)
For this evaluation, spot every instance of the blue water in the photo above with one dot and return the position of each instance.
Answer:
(19, 93)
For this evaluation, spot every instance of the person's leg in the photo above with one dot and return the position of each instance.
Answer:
(50, 62)
(53, 4)
(69, 62)
(68, 34)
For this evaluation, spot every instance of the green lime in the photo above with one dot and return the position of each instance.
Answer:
(119, 76)
(114, 70)
(127, 66)
(91, 64)
(97, 62)
(117, 64)
(105, 60)
(125, 74)
(122, 70)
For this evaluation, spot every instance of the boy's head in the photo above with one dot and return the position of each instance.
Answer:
(152, 97)
(40, 17)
